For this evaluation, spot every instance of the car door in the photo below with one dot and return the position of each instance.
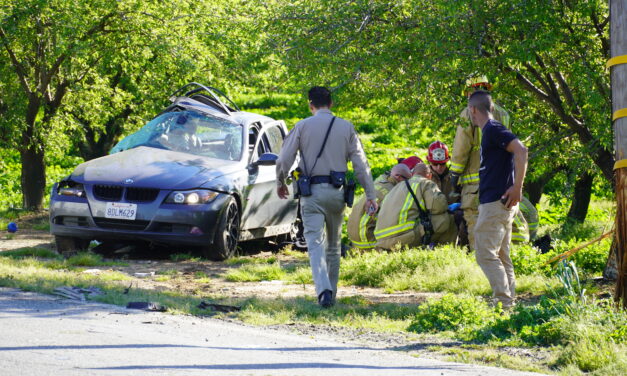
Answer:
(264, 207)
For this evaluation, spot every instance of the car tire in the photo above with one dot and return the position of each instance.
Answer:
(68, 246)
(227, 233)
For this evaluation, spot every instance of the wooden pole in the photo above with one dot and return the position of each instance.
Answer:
(618, 77)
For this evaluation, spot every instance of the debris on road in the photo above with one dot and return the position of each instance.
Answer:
(146, 306)
(77, 293)
(218, 307)
(144, 275)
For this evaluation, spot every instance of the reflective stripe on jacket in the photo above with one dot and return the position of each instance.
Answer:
(360, 226)
(399, 213)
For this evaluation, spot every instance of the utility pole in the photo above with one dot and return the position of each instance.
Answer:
(618, 78)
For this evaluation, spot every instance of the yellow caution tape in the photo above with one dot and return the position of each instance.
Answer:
(619, 114)
(570, 252)
(622, 59)
(620, 164)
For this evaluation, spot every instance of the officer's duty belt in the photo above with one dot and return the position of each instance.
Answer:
(320, 179)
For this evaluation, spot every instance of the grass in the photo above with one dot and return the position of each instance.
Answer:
(575, 336)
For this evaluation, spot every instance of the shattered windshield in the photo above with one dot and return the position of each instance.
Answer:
(188, 132)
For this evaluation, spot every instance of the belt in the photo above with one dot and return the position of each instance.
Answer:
(320, 179)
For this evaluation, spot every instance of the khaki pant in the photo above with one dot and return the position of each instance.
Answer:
(493, 232)
(323, 214)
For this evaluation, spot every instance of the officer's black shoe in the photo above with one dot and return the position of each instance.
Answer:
(325, 299)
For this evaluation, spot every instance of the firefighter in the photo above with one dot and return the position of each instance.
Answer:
(361, 224)
(402, 221)
(466, 159)
(438, 157)
(525, 225)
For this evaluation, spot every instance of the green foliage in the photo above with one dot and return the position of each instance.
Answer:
(183, 257)
(85, 259)
(256, 273)
(452, 312)
(168, 272)
(31, 252)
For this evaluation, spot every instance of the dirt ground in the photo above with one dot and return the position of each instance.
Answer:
(146, 269)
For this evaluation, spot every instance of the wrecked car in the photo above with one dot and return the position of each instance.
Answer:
(199, 174)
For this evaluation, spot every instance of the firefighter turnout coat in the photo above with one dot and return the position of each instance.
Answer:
(525, 225)
(360, 227)
(398, 221)
(444, 183)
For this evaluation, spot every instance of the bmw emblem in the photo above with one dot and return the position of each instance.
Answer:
(128, 181)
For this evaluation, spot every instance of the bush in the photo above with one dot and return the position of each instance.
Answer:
(452, 312)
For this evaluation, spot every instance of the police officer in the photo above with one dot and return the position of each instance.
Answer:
(399, 219)
(322, 210)
(360, 226)
(466, 159)
(438, 158)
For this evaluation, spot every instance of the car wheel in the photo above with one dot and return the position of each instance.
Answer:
(69, 246)
(227, 233)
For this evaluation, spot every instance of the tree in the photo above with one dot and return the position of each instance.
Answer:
(87, 66)
(545, 58)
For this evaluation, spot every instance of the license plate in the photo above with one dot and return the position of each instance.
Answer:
(120, 210)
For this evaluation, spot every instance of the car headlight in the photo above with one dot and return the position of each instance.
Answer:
(70, 188)
(193, 197)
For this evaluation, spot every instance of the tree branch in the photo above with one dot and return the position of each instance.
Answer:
(61, 58)
(19, 69)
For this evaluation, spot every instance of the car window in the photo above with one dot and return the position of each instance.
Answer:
(263, 146)
(189, 132)
(275, 139)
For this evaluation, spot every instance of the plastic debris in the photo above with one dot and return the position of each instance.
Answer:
(218, 307)
(144, 275)
(77, 293)
(146, 306)
(12, 227)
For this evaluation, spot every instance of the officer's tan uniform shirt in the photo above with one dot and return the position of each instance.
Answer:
(343, 145)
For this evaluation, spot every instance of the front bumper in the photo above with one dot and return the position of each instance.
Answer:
(155, 222)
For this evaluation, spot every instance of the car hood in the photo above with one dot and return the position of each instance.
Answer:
(153, 168)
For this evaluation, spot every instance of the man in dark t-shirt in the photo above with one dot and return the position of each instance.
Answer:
(501, 176)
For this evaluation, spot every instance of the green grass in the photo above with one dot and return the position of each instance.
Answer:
(256, 272)
(183, 257)
(579, 336)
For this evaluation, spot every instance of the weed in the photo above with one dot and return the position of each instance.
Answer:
(168, 272)
(183, 257)
(256, 273)
(31, 252)
(200, 274)
(452, 313)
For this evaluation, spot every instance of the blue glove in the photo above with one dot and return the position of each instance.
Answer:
(454, 206)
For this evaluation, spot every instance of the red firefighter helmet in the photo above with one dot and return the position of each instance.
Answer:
(438, 153)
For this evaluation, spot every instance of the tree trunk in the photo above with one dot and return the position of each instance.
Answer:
(33, 177)
(33, 173)
(535, 188)
(581, 200)
(618, 47)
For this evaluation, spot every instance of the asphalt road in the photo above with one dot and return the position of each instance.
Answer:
(46, 335)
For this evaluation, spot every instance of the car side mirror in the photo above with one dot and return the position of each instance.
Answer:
(266, 159)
